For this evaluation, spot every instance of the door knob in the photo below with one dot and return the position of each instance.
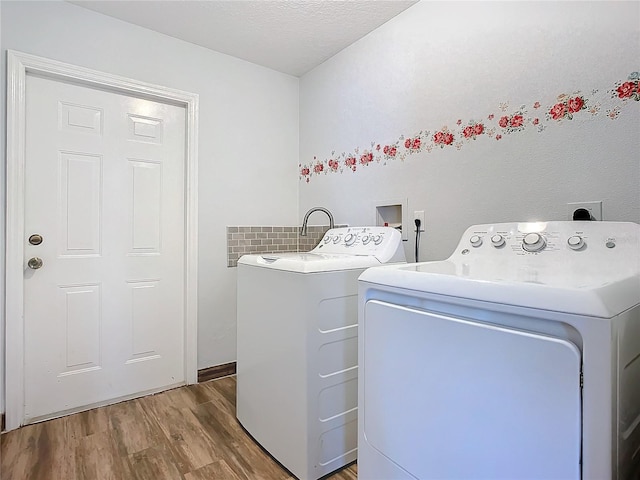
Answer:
(34, 263)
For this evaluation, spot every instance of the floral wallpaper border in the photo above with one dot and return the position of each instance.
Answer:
(596, 103)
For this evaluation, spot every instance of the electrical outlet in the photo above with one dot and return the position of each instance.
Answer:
(594, 208)
(418, 215)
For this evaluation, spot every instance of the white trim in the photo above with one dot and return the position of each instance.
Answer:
(18, 66)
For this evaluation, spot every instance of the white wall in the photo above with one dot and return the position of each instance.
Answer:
(438, 62)
(248, 142)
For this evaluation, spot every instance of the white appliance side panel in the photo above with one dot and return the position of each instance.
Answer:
(629, 394)
(271, 401)
(449, 398)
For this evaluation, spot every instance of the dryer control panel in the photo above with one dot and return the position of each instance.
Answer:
(543, 237)
(578, 254)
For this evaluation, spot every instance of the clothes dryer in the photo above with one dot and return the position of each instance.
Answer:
(297, 355)
(518, 357)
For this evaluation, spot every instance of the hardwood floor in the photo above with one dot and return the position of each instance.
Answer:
(189, 433)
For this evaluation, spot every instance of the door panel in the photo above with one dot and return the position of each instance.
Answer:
(105, 189)
(80, 210)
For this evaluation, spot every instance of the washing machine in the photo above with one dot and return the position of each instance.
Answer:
(518, 357)
(297, 347)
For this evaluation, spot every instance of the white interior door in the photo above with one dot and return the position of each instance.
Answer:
(104, 188)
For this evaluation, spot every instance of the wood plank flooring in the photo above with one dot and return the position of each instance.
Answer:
(189, 433)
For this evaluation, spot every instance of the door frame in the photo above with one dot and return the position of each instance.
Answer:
(19, 65)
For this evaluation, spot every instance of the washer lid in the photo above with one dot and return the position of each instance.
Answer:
(309, 262)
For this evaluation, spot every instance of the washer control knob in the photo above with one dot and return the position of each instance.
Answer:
(366, 239)
(350, 239)
(327, 239)
(533, 242)
(377, 239)
(497, 240)
(336, 239)
(575, 242)
(475, 240)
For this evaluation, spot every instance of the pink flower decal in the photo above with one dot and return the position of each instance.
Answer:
(333, 165)
(629, 88)
(391, 151)
(366, 159)
(536, 105)
(443, 138)
(473, 130)
(318, 168)
(558, 111)
(412, 143)
(516, 121)
(512, 123)
(567, 108)
(351, 163)
(498, 137)
(305, 171)
(626, 89)
(575, 104)
(536, 121)
(490, 117)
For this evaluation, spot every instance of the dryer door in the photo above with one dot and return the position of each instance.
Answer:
(452, 398)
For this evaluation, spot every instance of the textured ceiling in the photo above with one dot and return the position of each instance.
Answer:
(291, 36)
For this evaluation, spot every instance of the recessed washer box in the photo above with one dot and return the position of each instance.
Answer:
(594, 208)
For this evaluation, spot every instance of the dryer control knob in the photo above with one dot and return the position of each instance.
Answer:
(366, 239)
(377, 240)
(533, 242)
(497, 241)
(576, 242)
(350, 239)
(337, 239)
(327, 239)
(475, 240)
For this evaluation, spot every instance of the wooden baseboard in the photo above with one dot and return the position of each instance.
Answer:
(217, 371)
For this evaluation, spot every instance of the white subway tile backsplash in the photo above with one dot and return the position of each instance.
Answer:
(243, 240)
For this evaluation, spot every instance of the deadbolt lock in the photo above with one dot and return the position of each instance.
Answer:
(35, 239)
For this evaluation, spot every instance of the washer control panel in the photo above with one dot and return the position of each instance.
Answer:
(535, 238)
(360, 241)
(357, 237)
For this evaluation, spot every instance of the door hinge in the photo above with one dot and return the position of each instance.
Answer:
(581, 380)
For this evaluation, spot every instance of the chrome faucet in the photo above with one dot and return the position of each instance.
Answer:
(303, 230)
